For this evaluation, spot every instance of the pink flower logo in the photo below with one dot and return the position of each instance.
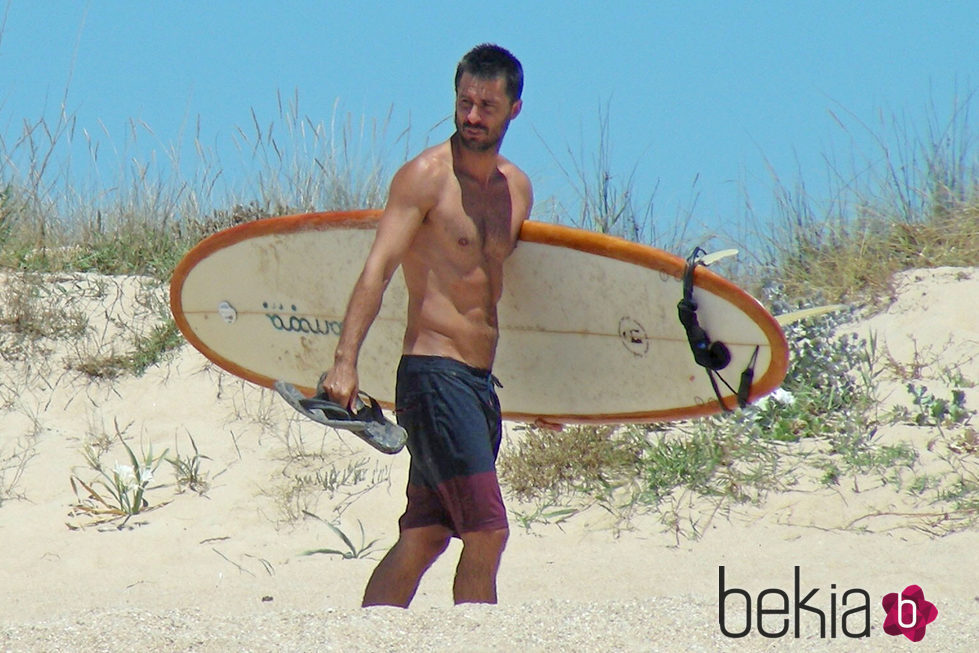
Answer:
(908, 613)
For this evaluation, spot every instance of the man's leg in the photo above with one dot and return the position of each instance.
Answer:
(475, 580)
(396, 577)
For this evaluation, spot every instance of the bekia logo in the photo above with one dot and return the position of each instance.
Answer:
(836, 612)
(908, 613)
(772, 603)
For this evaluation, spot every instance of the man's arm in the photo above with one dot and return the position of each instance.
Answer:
(413, 193)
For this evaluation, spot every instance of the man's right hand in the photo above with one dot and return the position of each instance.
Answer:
(341, 384)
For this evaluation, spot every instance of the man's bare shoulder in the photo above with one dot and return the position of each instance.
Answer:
(515, 176)
(521, 189)
(420, 181)
(435, 161)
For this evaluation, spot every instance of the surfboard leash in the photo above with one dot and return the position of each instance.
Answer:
(712, 355)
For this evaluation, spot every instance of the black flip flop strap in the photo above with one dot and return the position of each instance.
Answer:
(330, 409)
(369, 412)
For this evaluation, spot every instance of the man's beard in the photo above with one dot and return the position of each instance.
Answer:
(477, 145)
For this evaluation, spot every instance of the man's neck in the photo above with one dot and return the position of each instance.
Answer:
(479, 166)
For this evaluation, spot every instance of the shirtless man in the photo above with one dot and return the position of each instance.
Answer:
(453, 215)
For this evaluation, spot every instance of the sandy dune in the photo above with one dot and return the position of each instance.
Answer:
(224, 569)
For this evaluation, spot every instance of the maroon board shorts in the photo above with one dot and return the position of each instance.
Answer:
(452, 416)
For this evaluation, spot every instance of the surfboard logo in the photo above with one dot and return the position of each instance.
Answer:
(227, 312)
(633, 336)
(298, 323)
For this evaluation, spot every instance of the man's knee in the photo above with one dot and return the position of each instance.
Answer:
(426, 543)
(489, 541)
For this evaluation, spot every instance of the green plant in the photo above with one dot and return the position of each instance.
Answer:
(360, 472)
(931, 410)
(720, 456)
(543, 512)
(958, 486)
(188, 471)
(311, 476)
(924, 483)
(352, 551)
(861, 455)
(831, 473)
(124, 485)
(148, 350)
(687, 461)
(828, 389)
(29, 308)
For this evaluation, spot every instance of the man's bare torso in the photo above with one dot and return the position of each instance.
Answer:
(454, 266)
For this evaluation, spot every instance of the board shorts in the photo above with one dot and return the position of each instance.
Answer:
(452, 416)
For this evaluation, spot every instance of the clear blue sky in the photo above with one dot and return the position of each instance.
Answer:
(694, 90)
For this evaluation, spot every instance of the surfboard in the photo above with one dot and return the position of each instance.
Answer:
(588, 322)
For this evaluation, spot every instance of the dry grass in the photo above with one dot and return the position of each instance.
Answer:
(145, 216)
(543, 461)
(854, 261)
(912, 201)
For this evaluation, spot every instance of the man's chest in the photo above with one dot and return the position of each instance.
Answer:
(477, 220)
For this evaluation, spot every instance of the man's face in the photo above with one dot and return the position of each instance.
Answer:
(483, 112)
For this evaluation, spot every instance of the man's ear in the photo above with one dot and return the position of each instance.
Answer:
(515, 109)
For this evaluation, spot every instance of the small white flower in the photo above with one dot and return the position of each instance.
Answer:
(783, 397)
(124, 472)
(125, 475)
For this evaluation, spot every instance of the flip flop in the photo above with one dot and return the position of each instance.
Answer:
(366, 422)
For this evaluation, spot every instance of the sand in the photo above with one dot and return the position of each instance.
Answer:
(223, 568)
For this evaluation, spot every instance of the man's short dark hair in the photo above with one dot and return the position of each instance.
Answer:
(488, 61)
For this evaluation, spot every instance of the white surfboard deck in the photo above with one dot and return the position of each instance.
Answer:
(588, 323)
